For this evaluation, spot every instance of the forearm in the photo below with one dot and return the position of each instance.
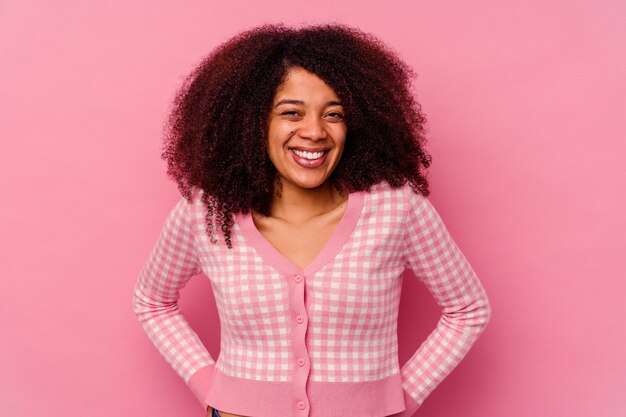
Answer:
(436, 260)
(171, 334)
(445, 347)
(172, 262)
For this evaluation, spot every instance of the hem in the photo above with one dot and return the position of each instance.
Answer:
(247, 397)
(200, 383)
(410, 404)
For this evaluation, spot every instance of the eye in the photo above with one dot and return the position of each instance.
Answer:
(290, 114)
(335, 116)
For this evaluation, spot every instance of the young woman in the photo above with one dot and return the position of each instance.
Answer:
(299, 154)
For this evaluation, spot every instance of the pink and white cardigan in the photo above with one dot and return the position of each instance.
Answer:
(319, 341)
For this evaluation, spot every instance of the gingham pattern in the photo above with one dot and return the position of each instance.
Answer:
(352, 302)
(171, 263)
(253, 306)
(432, 254)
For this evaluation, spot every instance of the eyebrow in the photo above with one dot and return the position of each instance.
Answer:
(301, 103)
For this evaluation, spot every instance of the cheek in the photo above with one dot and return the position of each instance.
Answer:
(277, 133)
(275, 151)
(340, 137)
(274, 142)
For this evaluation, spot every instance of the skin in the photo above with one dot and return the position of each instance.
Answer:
(306, 116)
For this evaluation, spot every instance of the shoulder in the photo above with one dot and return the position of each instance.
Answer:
(391, 206)
(403, 196)
(195, 194)
(189, 207)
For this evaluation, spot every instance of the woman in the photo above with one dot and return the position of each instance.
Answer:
(299, 154)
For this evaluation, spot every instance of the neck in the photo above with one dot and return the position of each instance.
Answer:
(298, 204)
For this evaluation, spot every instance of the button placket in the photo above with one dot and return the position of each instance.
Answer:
(300, 352)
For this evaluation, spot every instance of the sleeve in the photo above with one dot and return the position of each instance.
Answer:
(435, 259)
(171, 263)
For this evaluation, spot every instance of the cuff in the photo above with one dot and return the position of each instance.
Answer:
(410, 404)
(200, 383)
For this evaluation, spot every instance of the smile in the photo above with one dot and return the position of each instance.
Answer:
(311, 156)
(308, 159)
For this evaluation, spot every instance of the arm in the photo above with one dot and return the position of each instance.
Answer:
(436, 260)
(172, 262)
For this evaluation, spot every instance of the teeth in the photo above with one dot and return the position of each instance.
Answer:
(308, 155)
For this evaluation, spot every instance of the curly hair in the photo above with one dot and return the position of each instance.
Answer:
(215, 137)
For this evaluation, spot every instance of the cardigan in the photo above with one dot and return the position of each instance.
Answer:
(319, 341)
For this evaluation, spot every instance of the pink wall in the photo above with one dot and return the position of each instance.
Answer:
(526, 123)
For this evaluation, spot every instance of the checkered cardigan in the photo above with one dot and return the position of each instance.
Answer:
(319, 341)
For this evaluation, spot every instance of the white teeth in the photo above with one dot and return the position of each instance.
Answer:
(308, 155)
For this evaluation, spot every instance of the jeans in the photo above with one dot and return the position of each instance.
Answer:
(215, 413)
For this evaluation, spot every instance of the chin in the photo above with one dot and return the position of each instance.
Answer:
(308, 184)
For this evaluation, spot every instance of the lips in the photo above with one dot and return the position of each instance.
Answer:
(309, 158)
(308, 154)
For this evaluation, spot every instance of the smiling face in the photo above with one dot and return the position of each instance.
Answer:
(306, 130)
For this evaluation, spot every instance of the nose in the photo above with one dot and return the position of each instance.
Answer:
(312, 128)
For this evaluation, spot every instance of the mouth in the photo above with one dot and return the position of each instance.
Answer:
(310, 155)
(309, 158)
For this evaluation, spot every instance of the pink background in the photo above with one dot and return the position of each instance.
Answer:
(526, 105)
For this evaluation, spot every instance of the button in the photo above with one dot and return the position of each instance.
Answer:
(300, 362)
(298, 277)
(301, 405)
(300, 319)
